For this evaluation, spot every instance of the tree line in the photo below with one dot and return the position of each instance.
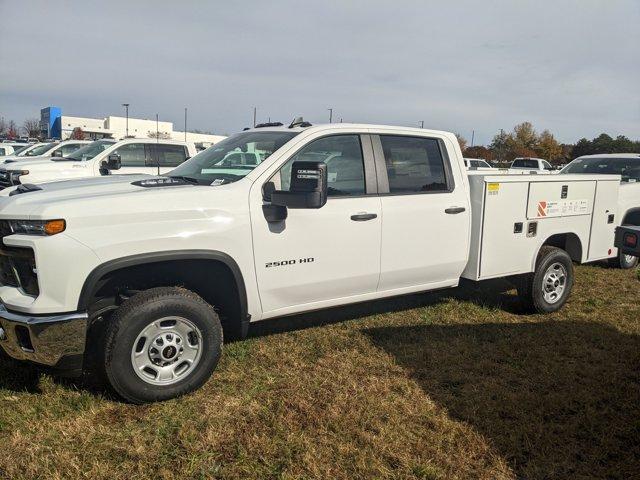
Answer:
(524, 141)
(29, 128)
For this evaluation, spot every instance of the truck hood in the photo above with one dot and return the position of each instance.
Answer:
(9, 161)
(39, 163)
(91, 196)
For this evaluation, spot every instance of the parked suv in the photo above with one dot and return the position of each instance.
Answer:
(102, 157)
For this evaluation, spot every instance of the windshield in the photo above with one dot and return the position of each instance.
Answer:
(87, 152)
(39, 150)
(233, 158)
(17, 150)
(628, 168)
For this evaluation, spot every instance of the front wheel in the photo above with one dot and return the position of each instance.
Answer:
(160, 344)
(547, 289)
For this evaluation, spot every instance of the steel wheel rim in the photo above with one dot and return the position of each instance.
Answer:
(166, 351)
(554, 282)
(629, 259)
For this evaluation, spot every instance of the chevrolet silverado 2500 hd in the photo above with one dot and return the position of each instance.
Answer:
(141, 275)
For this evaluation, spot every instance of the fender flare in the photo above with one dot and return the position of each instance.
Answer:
(91, 282)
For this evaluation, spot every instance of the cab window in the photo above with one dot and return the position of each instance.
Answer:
(131, 155)
(345, 164)
(164, 155)
(414, 164)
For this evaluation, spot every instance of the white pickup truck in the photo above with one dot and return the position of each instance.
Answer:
(102, 157)
(141, 275)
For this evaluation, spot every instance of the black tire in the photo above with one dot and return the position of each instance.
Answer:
(137, 314)
(625, 262)
(531, 287)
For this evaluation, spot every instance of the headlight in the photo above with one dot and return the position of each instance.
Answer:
(37, 227)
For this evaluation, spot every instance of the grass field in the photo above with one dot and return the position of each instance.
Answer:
(458, 384)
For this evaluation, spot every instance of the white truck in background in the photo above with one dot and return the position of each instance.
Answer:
(627, 165)
(100, 158)
(46, 151)
(139, 276)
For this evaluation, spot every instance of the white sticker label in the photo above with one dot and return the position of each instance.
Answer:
(560, 208)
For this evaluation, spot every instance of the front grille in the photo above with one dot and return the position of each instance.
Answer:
(18, 269)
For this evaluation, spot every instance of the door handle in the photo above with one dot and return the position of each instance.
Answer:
(363, 217)
(454, 210)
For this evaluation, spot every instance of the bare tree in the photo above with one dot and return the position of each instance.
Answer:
(3, 127)
(31, 127)
(462, 141)
(12, 131)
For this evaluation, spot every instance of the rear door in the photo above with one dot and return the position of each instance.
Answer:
(425, 211)
(133, 159)
(164, 157)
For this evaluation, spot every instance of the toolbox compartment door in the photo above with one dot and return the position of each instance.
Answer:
(604, 220)
(560, 199)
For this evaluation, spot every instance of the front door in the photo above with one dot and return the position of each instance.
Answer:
(319, 257)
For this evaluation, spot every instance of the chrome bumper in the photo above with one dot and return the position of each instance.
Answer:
(53, 340)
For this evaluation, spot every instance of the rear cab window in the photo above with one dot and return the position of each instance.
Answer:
(415, 165)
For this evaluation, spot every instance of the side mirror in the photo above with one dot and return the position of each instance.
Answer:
(308, 187)
(57, 154)
(113, 162)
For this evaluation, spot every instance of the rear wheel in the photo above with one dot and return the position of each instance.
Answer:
(547, 289)
(623, 261)
(160, 344)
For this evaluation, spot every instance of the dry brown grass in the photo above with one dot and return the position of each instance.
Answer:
(454, 385)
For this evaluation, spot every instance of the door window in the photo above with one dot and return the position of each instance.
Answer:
(345, 164)
(414, 164)
(164, 155)
(132, 155)
(69, 148)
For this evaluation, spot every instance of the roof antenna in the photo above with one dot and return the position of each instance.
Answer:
(299, 122)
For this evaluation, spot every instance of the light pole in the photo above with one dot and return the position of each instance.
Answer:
(185, 124)
(126, 110)
(421, 123)
(330, 114)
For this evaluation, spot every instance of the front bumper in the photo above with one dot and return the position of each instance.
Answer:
(52, 340)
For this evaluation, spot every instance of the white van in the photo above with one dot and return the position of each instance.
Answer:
(102, 157)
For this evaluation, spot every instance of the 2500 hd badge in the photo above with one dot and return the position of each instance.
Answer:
(283, 263)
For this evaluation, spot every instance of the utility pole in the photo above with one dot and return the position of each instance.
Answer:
(473, 134)
(330, 115)
(421, 123)
(185, 124)
(126, 109)
(157, 142)
(255, 111)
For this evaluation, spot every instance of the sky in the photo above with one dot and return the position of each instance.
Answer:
(570, 66)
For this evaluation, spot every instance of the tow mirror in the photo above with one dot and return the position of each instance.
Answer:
(113, 162)
(308, 189)
(57, 154)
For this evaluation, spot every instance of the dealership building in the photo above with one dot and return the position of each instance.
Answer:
(53, 124)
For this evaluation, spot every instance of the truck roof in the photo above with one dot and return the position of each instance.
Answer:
(350, 126)
(612, 155)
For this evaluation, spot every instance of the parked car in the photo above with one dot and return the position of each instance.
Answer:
(627, 165)
(142, 274)
(477, 164)
(102, 157)
(530, 164)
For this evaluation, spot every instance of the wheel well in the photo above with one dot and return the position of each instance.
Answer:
(214, 280)
(632, 217)
(569, 242)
